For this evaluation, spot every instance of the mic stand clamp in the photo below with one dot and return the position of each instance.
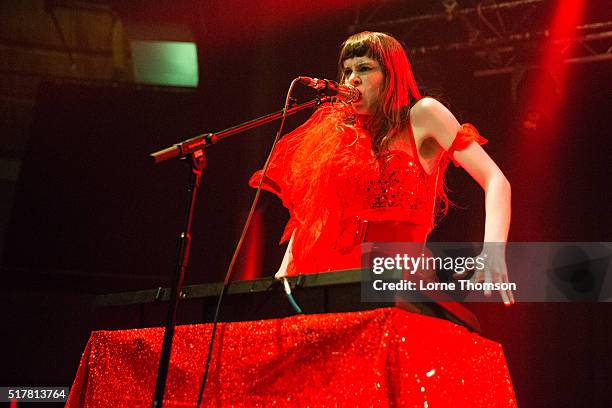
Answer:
(186, 147)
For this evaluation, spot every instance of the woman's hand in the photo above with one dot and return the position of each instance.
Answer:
(495, 270)
(281, 273)
(287, 259)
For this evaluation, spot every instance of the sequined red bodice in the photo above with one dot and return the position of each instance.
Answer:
(390, 186)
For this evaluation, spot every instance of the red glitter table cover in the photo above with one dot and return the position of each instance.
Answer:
(377, 358)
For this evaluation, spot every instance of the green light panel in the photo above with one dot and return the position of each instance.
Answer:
(171, 63)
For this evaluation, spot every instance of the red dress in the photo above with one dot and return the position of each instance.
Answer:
(333, 185)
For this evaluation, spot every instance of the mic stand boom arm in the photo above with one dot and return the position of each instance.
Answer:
(193, 150)
(186, 147)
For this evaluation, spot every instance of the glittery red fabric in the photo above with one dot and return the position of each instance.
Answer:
(384, 357)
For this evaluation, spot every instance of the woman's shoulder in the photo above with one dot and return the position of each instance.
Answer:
(427, 109)
(432, 121)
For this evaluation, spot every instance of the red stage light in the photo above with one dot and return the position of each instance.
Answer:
(546, 91)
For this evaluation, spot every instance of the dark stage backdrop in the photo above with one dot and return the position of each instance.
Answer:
(93, 215)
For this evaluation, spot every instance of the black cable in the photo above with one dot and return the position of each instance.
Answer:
(240, 243)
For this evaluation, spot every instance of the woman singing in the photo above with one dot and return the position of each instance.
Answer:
(373, 170)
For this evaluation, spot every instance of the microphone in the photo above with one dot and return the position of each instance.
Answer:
(348, 93)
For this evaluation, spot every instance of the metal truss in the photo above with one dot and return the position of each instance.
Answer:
(497, 35)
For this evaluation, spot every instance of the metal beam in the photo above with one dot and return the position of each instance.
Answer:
(514, 38)
(443, 16)
(499, 51)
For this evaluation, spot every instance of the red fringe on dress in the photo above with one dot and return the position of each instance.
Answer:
(302, 168)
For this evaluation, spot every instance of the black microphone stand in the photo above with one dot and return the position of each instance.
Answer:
(192, 151)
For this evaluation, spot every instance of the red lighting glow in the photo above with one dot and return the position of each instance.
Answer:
(251, 259)
(547, 87)
(234, 22)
